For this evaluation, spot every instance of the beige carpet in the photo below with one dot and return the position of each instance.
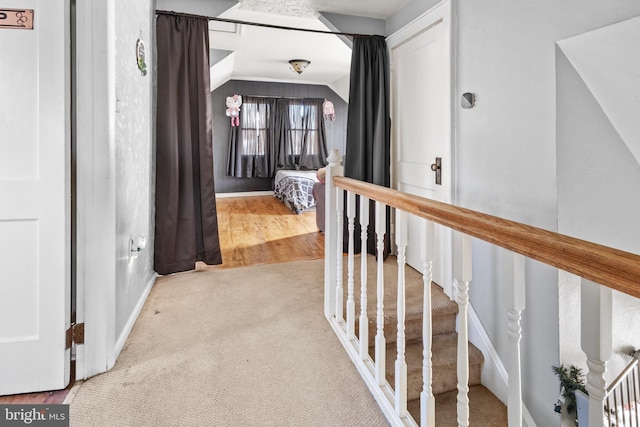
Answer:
(239, 347)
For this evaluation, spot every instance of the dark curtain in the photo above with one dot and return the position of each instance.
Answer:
(186, 220)
(367, 156)
(277, 133)
(252, 144)
(284, 151)
(302, 134)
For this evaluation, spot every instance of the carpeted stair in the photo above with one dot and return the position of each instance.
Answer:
(485, 408)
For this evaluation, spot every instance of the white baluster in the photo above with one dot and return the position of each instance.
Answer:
(427, 400)
(364, 320)
(596, 342)
(340, 238)
(462, 271)
(330, 235)
(401, 364)
(351, 305)
(381, 344)
(514, 300)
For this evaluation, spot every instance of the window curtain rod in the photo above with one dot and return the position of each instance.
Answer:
(258, 24)
(295, 98)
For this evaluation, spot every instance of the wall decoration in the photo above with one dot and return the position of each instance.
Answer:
(21, 19)
(142, 65)
(328, 110)
(233, 109)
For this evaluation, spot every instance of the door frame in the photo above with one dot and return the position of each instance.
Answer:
(96, 186)
(443, 11)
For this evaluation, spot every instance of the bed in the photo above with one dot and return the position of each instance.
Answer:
(294, 188)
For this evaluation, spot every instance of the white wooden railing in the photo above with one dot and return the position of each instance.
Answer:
(601, 269)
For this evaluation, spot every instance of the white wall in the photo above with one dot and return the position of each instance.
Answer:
(505, 153)
(598, 173)
(134, 122)
(113, 158)
(353, 24)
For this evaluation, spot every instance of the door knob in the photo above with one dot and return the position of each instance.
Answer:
(437, 168)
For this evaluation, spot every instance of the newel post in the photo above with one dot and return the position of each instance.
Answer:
(596, 341)
(334, 168)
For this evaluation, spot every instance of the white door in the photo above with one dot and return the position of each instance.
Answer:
(34, 199)
(421, 82)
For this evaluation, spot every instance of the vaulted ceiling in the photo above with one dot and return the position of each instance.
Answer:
(246, 52)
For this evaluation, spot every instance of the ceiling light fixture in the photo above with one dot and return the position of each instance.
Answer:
(299, 65)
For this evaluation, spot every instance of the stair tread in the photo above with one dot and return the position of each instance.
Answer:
(444, 350)
(485, 409)
(443, 310)
(444, 339)
(414, 287)
(444, 364)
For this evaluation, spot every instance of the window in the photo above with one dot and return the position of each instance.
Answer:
(254, 131)
(303, 128)
(277, 133)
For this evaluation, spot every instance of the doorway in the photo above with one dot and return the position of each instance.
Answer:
(421, 78)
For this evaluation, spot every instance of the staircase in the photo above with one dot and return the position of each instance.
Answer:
(485, 408)
(614, 270)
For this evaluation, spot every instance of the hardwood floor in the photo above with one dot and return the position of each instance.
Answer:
(261, 230)
(253, 231)
(45, 397)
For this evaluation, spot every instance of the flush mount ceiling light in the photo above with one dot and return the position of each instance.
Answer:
(299, 65)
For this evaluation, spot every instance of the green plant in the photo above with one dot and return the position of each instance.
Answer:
(571, 379)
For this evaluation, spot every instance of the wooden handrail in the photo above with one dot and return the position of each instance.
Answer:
(610, 267)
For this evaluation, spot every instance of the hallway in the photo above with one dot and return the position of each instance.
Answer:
(253, 231)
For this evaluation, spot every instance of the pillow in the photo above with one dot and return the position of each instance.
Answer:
(320, 173)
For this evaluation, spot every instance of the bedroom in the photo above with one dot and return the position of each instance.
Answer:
(226, 185)
(262, 70)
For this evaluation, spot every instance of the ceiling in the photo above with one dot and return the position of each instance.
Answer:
(597, 56)
(247, 52)
(379, 9)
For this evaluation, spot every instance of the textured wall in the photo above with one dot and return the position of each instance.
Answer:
(134, 130)
(336, 130)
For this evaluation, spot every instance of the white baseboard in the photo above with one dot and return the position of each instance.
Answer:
(122, 339)
(527, 419)
(244, 194)
(383, 395)
(494, 375)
